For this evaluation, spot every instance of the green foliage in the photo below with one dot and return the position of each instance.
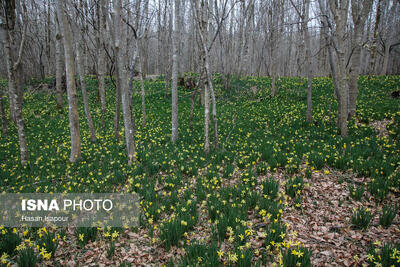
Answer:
(387, 215)
(124, 264)
(8, 241)
(85, 234)
(48, 241)
(174, 228)
(293, 257)
(270, 188)
(111, 249)
(228, 171)
(394, 127)
(294, 186)
(245, 257)
(259, 134)
(200, 255)
(27, 258)
(388, 255)
(356, 193)
(276, 233)
(379, 187)
(361, 218)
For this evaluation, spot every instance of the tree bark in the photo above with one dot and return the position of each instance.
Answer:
(4, 126)
(359, 15)
(81, 67)
(15, 72)
(59, 65)
(272, 53)
(209, 89)
(117, 105)
(375, 37)
(174, 119)
(71, 90)
(308, 58)
(389, 39)
(123, 81)
(339, 11)
(142, 89)
(101, 66)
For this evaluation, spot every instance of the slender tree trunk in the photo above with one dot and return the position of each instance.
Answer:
(209, 89)
(81, 67)
(192, 105)
(15, 74)
(359, 17)
(71, 90)
(159, 69)
(123, 81)
(386, 58)
(300, 54)
(389, 39)
(12, 94)
(48, 35)
(59, 65)
(272, 53)
(375, 37)
(4, 126)
(167, 53)
(174, 120)
(101, 66)
(142, 90)
(202, 18)
(213, 101)
(309, 62)
(323, 49)
(340, 16)
(117, 105)
(240, 34)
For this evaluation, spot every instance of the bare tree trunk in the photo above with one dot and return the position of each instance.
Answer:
(339, 11)
(81, 67)
(375, 37)
(329, 41)
(15, 73)
(71, 90)
(12, 94)
(389, 39)
(213, 101)
(323, 49)
(4, 126)
(144, 51)
(240, 37)
(209, 89)
(202, 19)
(359, 14)
(159, 69)
(386, 58)
(101, 66)
(304, 16)
(117, 105)
(272, 53)
(142, 91)
(192, 104)
(174, 119)
(123, 81)
(308, 57)
(59, 65)
(167, 53)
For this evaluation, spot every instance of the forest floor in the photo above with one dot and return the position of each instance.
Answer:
(278, 191)
(322, 224)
